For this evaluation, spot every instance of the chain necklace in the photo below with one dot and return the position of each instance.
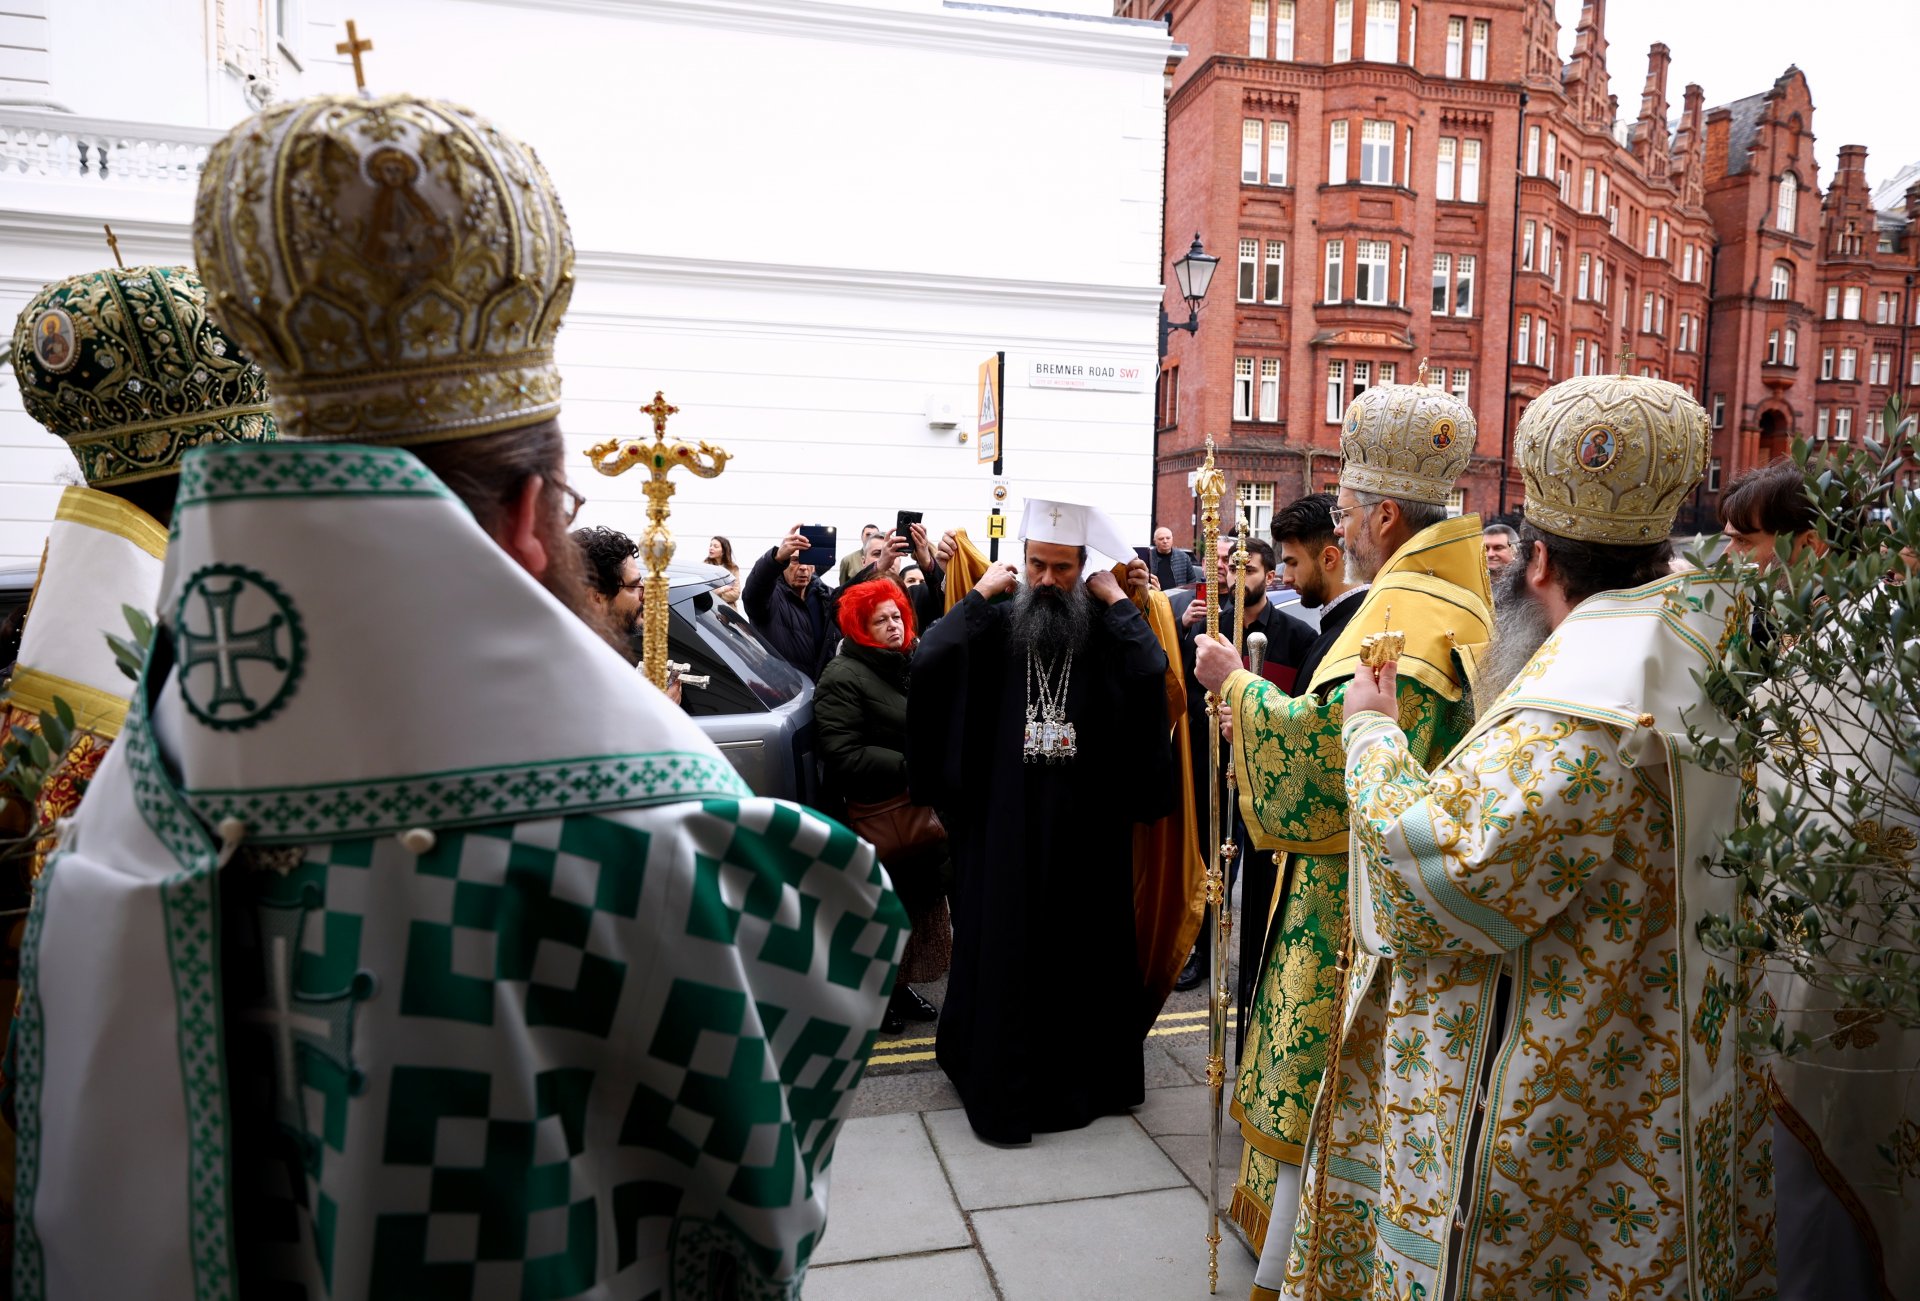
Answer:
(1050, 737)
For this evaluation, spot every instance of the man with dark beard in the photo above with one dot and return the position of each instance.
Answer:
(1313, 564)
(1038, 727)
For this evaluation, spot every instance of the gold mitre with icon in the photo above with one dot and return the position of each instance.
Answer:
(398, 265)
(126, 366)
(1406, 440)
(1609, 458)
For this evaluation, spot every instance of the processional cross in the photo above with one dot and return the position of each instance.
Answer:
(353, 47)
(617, 456)
(113, 242)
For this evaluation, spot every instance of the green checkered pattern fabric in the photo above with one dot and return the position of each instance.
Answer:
(606, 1051)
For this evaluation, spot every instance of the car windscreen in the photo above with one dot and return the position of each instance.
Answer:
(717, 641)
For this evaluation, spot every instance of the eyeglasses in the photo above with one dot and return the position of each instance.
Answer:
(1341, 514)
(634, 586)
(575, 500)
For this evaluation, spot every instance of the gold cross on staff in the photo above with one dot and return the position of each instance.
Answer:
(658, 410)
(113, 242)
(1626, 359)
(353, 47)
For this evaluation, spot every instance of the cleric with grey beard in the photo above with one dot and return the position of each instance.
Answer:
(1037, 725)
(1520, 627)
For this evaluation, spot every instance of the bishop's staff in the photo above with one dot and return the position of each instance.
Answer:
(616, 456)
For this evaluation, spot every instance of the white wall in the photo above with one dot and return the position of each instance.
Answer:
(799, 219)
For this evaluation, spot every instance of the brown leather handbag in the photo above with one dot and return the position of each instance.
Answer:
(896, 827)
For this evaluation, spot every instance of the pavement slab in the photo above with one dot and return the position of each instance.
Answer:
(1112, 1155)
(888, 1196)
(945, 1276)
(1137, 1247)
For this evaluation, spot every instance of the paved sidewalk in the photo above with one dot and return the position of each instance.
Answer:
(922, 1209)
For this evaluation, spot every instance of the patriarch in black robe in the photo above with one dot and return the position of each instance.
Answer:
(1041, 1028)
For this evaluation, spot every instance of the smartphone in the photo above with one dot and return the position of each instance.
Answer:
(821, 550)
(1200, 594)
(903, 522)
(1145, 554)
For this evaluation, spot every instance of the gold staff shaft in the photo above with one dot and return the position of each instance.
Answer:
(617, 456)
(1210, 484)
(1219, 871)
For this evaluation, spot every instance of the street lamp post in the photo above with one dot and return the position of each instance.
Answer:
(1193, 272)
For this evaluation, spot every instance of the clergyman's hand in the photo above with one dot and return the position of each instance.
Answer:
(1373, 689)
(1214, 661)
(1104, 587)
(1139, 577)
(999, 579)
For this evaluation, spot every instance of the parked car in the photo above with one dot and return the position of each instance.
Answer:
(755, 706)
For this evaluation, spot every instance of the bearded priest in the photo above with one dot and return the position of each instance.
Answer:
(1402, 447)
(409, 943)
(1038, 726)
(1542, 1084)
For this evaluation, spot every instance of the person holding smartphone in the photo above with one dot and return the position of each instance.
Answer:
(791, 606)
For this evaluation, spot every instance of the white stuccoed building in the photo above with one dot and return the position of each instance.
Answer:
(807, 221)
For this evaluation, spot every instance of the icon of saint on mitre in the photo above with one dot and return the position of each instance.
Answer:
(54, 346)
(1596, 449)
(403, 231)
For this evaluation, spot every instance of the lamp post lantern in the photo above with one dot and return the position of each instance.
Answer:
(1193, 272)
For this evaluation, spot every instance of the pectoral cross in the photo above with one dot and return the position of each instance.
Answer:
(113, 242)
(353, 47)
(656, 544)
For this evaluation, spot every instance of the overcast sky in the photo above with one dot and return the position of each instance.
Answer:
(1858, 56)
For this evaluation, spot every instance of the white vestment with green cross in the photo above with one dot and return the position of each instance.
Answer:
(410, 944)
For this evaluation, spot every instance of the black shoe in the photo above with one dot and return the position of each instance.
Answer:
(891, 1022)
(1194, 974)
(907, 1003)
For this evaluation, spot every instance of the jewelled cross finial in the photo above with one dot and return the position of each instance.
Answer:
(353, 47)
(113, 242)
(1626, 356)
(617, 456)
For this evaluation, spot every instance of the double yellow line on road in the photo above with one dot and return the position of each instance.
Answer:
(887, 1052)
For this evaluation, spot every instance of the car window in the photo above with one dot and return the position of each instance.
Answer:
(715, 640)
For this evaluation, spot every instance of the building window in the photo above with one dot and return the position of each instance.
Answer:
(1443, 172)
(1456, 46)
(1167, 404)
(1249, 269)
(1885, 312)
(1849, 363)
(1524, 351)
(1850, 303)
(1283, 29)
(1558, 258)
(1383, 31)
(1843, 425)
(1653, 235)
(1660, 316)
(1336, 255)
(1553, 148)
(1442, 281)
(1665, 230)
(1713, 466)
(1788, 208)
(1913, 373)
(1719, 411)
(1583, 283)
(1646, 315)
(1789, 347)
(1243, 388)
(1276, 270)
(1469, 171)
(1773, 347)
(1376, 153)
(1362, 378)
(1826, 363)
(1527, 233)
(1461, 378)
(1337, 153)
(1600, 283)
(1820, 423)
(1276, 153)
(1686, 262)
(1342, 30)
(1463, 285)
(1533, 151)
(1250, 151)
(1477, 55)
(1370, 271)
(1579, 357)
(1336, 391)
(1586, 190)
(1681, 334)
(1257, 30)
(1269, 388)
(1833, 301)
(1781, 287)
(1400, 299)
(1386, 372)
(1256, 503)
(1553, 355)
(1880, 368)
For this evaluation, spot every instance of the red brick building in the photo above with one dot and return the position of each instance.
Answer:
(1387, 182)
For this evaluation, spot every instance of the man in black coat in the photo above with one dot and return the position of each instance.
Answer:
(791, 607)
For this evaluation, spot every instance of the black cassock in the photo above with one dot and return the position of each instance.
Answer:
(1041, 1028)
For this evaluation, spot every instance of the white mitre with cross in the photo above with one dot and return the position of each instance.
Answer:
(1070, 525)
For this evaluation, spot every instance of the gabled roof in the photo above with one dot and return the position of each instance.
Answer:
(1747, 114)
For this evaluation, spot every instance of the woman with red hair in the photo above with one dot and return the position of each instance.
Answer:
(860, 715)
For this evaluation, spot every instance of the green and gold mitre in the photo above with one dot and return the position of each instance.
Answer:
(127, 367)
(1609, 458)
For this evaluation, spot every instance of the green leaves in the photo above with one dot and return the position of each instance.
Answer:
(130, 653)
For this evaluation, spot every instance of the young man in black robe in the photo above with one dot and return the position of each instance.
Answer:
(1037, 725)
